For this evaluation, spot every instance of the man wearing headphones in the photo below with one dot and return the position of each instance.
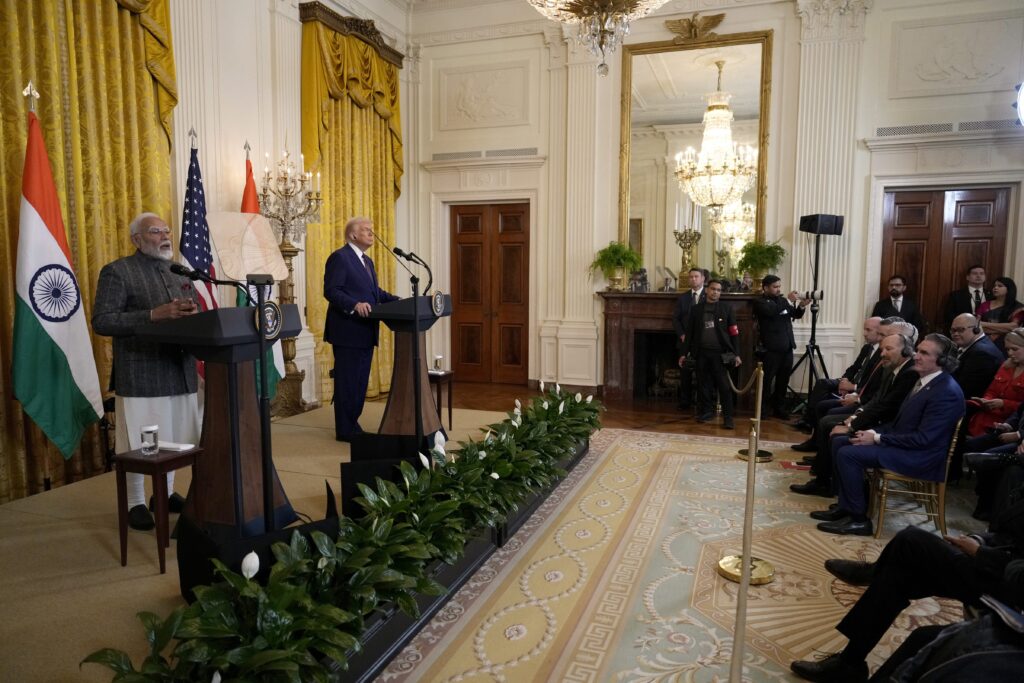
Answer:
(979, 357)
(915, 444)
(897, 381)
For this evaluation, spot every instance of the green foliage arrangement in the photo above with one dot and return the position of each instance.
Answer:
(761, 257)
(616, 255)
(314, 606)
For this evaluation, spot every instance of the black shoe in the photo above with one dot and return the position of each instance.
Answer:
(832, 669)
(815, 487)
(851, 571)
(140, 518)
(808, 446)
(175, 503)
(801, 424)
(808, 460)
(830, 515)
(727, 423)
(848, 527)
(705, 417)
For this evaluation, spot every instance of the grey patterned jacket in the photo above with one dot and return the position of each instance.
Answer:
(128, 288)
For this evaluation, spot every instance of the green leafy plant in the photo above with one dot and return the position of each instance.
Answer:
(761, 257)
(302, 625)
(615, 256)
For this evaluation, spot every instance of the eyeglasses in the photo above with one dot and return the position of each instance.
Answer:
(158, 231)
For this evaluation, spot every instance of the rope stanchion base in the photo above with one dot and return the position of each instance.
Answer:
(731, 567)
(762, 455)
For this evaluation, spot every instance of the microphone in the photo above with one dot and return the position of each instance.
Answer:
(406, 255)
(179, 269)
(395, 251)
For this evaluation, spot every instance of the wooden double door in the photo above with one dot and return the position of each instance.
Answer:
(490, 255)
(931, 237)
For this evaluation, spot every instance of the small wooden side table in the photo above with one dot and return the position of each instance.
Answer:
(443, 378)
(157, 466)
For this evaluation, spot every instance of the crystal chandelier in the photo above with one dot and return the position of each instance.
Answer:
(603, 24)
(735, 227)
(723, 170)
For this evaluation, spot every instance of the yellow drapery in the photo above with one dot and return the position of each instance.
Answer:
(351, 132)
(105, 74)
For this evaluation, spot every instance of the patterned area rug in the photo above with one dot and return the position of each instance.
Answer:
(614, 578)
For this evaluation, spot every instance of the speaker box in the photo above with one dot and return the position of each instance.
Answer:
(822, 224)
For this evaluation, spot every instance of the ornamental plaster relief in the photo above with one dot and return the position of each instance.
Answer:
(832, 20)
(956, 55)
(484, 97)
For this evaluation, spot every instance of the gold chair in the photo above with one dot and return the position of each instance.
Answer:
(931, 495)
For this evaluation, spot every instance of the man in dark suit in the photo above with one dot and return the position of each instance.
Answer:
(969, 298)
(899, 304)
(710, 341)
(979, 357)
(680, 323)
(775, 314)
(898, 379)
(914, 444)
(154, 383)
(352, 290)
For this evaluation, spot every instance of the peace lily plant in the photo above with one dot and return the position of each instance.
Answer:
(314, 606)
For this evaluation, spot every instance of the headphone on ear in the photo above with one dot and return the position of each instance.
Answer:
(907, 349)
(947, 359)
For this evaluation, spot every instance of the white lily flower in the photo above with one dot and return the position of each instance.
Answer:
(425, 461)
(558, 388)
(544, 404)
(542, 386)
(517, 420)
(488, 437)
(494, 475)
(439, 441)
(322, 562)
(250, 565)
(518, 404)
(590, 397)
(216, 677)
(578, 397)
(561, 407)
(517, 411)
(482, 454)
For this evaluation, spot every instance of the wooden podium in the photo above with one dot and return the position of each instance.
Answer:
(401, 317)
(228, 479)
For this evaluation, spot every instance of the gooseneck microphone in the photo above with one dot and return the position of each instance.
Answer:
(179, 269)
(184, 271)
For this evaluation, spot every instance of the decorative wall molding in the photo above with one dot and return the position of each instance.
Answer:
(956, 55)
(832, 19)
(477, 33)
(364, 29)
(484, 96)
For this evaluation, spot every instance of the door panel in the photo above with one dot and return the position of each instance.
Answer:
(490, 279)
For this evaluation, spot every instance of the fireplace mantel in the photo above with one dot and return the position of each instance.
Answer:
(625, 313)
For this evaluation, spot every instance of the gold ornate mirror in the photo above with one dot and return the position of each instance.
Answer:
(665, 88)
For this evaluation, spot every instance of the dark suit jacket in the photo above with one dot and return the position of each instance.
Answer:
(910, 312)
(959, 301)
(775, 315)
(854, 370)
(872, 380)
(681, 312)
(725, 327)
(127, 290)
(916, 442)
(885, 404)
(347, 283)
(978, 365)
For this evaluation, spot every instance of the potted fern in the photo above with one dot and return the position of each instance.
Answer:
(760, 258)
(614, 261)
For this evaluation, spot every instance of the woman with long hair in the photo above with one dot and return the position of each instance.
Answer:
(1006, 392)
(1003, 312)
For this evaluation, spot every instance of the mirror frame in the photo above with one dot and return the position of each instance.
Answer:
(764, 39)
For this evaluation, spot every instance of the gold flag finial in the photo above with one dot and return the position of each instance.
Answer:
(32, 94)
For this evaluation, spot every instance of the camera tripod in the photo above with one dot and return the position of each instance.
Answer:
(812, 353)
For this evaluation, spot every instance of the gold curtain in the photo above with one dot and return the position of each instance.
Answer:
(104, 70)
(351, 132)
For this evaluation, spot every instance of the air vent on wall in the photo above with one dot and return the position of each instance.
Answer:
(521, 152)
(916, 129)
(453, 156)
(1002, 124)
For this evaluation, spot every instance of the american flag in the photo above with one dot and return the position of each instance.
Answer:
(194, 246)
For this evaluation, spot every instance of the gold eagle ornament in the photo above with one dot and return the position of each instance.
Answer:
(695, 28)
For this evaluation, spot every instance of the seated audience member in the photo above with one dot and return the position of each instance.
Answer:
(1003, 312)
(897, 381)
(917, 564)
(997, 457)
(915, 444)
(825, 388)
(970, 298)
(1006, 391)
(848, 403)
(899, 304)
(979, 359)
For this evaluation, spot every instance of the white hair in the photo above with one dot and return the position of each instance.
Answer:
(906, 329)
(136, 225)
(353, 222)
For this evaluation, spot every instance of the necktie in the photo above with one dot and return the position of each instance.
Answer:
(366, 265)
(695, 297)
(917, 388)
(977, 299)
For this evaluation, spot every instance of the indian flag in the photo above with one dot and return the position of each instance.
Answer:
(274, 355)
(54, 371)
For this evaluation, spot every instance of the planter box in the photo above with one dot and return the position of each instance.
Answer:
(503, 532)
(389, 631)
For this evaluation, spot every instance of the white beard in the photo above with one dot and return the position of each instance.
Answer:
(164, 252)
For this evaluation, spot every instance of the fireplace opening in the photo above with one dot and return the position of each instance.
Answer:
(655, 365)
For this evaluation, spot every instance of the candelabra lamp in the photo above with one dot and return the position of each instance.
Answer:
(289, 200)
(687, 239)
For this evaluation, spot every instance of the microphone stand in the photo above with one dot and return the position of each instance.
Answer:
(266, 458)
